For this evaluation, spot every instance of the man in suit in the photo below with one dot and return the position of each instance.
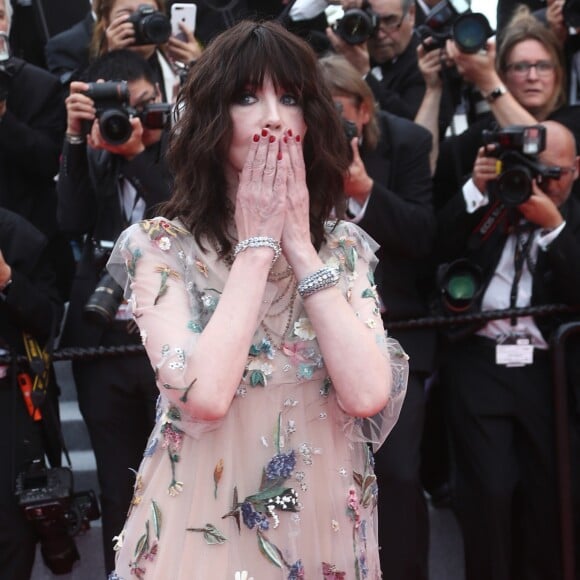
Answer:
(389, 196)
(102, 188)
(67, 53)
(498, 377)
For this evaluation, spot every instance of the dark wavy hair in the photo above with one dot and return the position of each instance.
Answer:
(240, 57)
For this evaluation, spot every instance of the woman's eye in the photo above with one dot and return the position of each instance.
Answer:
(246, 98)
(288, 99)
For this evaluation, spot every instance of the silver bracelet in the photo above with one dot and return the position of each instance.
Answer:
(259, 242)
(326, 277)
(75, 139)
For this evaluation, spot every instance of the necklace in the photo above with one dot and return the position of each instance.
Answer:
(269, 331)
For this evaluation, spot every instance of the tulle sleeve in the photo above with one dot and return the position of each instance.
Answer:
(353, 251)
(159, 266)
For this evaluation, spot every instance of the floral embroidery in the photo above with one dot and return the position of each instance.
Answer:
(211, 534)
(217, 475)
(202, 268)
(131, 263)
(329, 572)
(353, 509)
(259, 372)
(303, 329)
(264, 347)
(281, 465)
(296, 571)
(172, 440)
(147, 547)
(166, 272)
(195, 326)
(161, 231)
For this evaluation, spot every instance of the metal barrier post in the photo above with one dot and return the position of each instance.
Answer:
(563, 446)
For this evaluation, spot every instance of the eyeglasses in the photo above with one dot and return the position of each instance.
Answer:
(522, 68)
(391, 22)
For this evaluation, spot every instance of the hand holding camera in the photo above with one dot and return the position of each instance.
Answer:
(145, 26)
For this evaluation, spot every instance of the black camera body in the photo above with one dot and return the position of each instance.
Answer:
(454, 20)
(349, 129)
(357, 25)
(518, 147)
(151, 26)
(571, 12)
(46, 498)
(114, 112)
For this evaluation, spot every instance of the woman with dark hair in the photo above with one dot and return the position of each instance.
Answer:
(260, 318)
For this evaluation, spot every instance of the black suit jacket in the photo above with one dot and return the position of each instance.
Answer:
(89, 205)
(67, 53)
(399, 216)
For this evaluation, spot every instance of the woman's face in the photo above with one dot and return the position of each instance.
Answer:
(263, 108)
(534, 88)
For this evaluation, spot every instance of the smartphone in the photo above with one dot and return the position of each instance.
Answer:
(185, 13)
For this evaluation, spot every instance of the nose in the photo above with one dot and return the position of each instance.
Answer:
(533, 73)
(272, 116)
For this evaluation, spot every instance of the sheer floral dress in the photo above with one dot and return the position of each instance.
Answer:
(283, 486)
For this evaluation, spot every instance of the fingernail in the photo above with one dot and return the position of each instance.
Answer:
(272, 139)
(297, 138)
(264, 132)
(289, 132)
(279, 155)
(285, 139)
(256, 138)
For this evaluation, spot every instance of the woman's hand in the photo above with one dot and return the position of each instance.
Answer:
(296, 240)
(120, 33)
(261, 196)
(79, 109)
(184, 51)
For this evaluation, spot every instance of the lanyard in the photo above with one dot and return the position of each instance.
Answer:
(521, 257)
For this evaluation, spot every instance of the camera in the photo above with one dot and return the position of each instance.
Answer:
(349, 128)
(46, 498)
(151, 26)
(357, 25)
(103, 303)
(518, 147)
(114, 113)
(571, 12)
(453, 19)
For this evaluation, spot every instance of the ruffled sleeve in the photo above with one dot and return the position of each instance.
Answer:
(353, 251)
(166, 279)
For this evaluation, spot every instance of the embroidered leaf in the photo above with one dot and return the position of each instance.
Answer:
(351, 257)
(257, 378)
(156, 517)
(217, 475)
(371, 277)
(142, 543)
(267, 494)
(211, 534)
(368, 487)
(235, 511)
(270, 550)
(202, 268)
(358, 478)
(368, 293)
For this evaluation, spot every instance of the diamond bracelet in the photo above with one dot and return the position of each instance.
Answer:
(259, 242)
(326, 277)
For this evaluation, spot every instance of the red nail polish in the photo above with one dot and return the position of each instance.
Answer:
(256, 138)
(264, 132)
(289, 132)
(297, 138)
(279, 155)
(272, 139)
(285, 139)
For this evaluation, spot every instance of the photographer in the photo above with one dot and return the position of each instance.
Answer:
(32, 122)
(389, 196)
(29, 302)
(522, 239)
(115, 178)
(142, 26)
(523, 84)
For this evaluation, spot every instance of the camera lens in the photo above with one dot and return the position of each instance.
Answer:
(155, 29)
(104, 302)
(470, 32)
(460, 285)
(514, 186)
(115, 126)
(356, 26)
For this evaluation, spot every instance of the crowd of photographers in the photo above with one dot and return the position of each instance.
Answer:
(480, 219)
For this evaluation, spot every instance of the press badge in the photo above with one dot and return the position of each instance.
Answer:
(514, 351)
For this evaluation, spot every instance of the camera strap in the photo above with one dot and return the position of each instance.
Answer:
(521, 257)
(495, 215)
(39, 364)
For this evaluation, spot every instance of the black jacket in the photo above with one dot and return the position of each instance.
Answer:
(400, 217)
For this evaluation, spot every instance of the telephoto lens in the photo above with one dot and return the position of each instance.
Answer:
(102, 305)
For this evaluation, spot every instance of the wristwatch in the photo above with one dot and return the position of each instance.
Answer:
(494, 95)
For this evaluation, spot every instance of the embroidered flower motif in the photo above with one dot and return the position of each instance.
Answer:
(335, 526)
(194, 326)
(118, 541)
(353, 508)
(305, 371)
(172, 440)
(281, 465)
(303, 329)
(209, 302)
(252, 518)
(371, 323)
(164, 243)
(202, 268)
(243, 575)
(259, 372)
(296, 571)
(265, 347)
